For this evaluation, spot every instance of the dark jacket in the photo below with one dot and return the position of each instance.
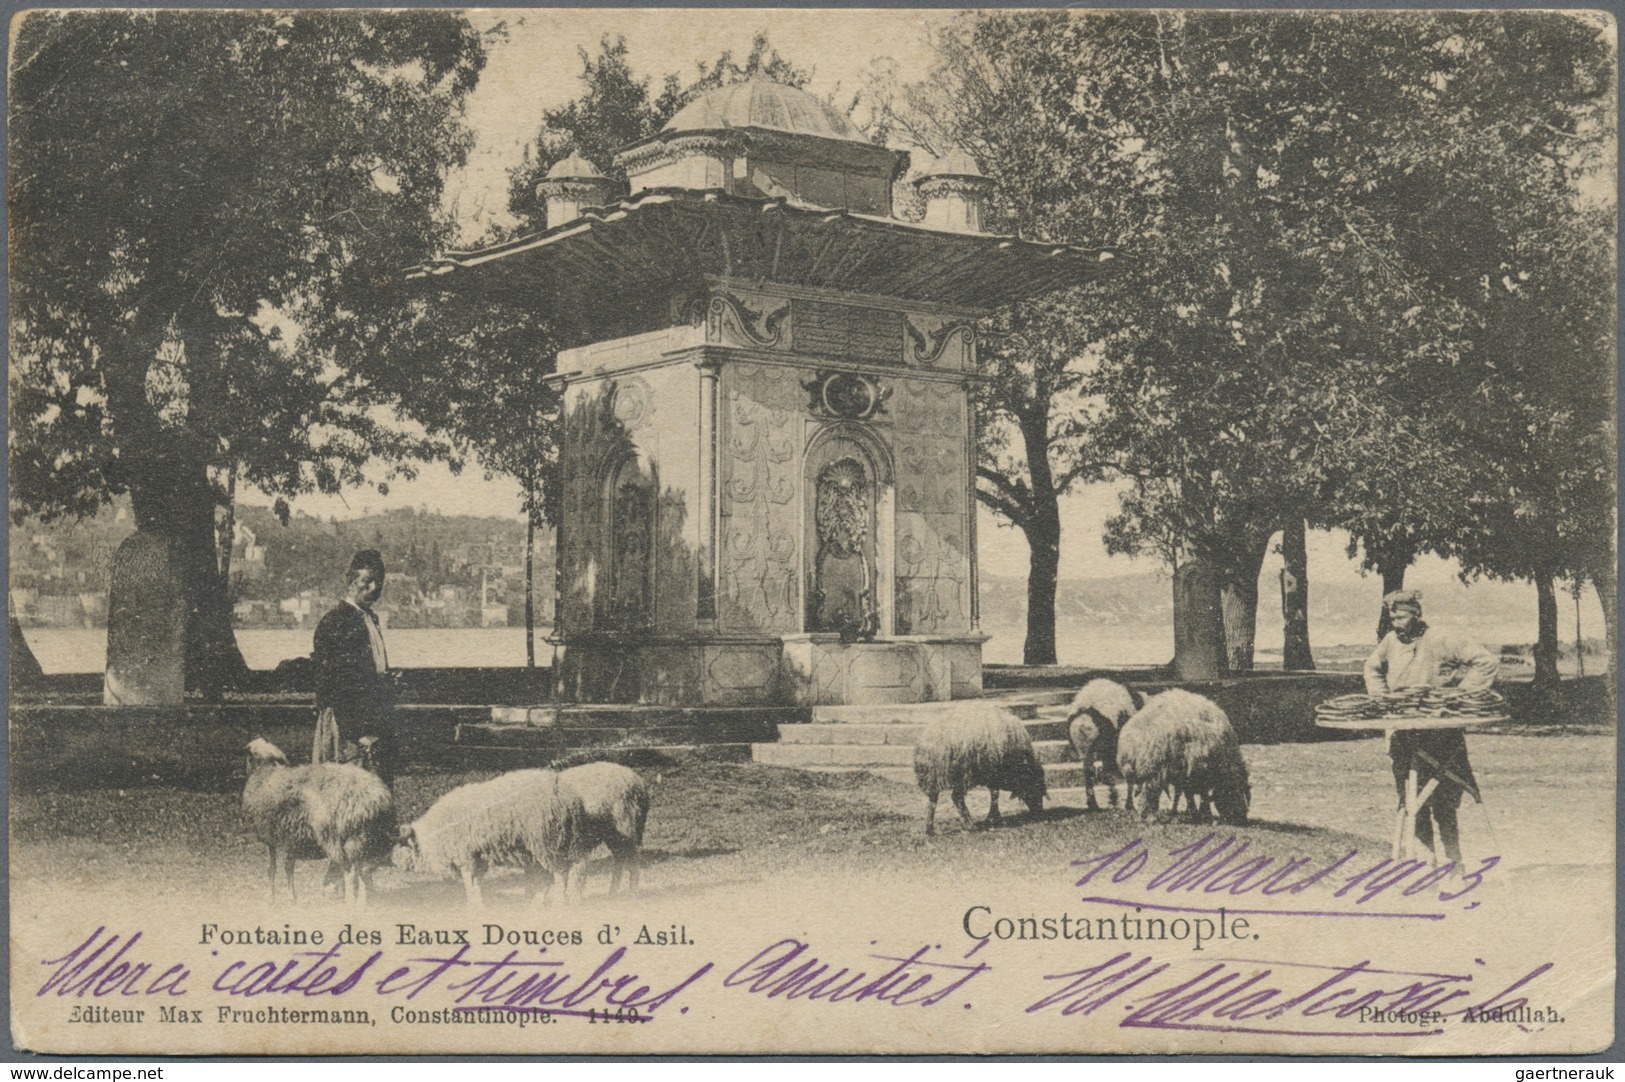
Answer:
(347, 679)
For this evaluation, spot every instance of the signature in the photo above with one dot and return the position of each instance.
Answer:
(1238, 995)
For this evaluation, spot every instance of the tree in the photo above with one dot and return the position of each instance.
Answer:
(1501, 237)
(490, 398)
(186, 186)
(1324, 197)
(1545, 425)
(1035, 99)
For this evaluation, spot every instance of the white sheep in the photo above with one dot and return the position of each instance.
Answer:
(973, 747)
(334, 810)
(615, 802)
(1096, 716)
(1183, 743)
(520, 819)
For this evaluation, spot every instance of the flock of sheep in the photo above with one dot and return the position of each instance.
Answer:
(1176, 743)
(548, 822)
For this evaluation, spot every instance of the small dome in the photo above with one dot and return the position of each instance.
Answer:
(955, 163)
(575, 167)
(761, 103)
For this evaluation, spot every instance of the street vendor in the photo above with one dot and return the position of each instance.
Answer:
(1413, 655)
(354, 685)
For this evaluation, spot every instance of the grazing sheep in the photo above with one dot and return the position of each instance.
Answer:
(1183, 743)
(333, 810)
(1097, 713)
(615, 802)
(967, 749)
(523, 819)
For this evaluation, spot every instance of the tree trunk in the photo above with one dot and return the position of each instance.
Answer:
(1295, 652)
(1602, 577)
(1546, 675)
(25, 668)
(1238, 596)
(225, 524)
(174, 500)
(1043, 567)
(530, 590)
(165, 468)
(1579, 630)
(1199, 641)
(1042, 527)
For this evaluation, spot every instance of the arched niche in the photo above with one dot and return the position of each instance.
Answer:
(631, 507)
(847, 554)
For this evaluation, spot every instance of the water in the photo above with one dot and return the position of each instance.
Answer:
(69, 650)
(84, 650)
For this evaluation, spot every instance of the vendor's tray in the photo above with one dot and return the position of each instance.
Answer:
(1413, 708)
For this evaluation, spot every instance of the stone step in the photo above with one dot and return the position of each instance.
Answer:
(917, 713)
(866, 755)
(486, 735)
(515, 757)
(718, 722)
(822, 733)
(1058, 777)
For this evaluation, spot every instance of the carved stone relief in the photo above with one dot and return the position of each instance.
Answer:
(759, 517)
(936, 342)
(932, 566)
(842, 598)
(748, 320)
(932, 571)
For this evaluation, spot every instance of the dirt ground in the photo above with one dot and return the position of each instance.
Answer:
(1548, 805)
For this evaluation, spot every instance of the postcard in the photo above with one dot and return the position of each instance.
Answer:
(724, 531)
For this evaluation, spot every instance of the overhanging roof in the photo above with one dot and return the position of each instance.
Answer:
(674, 237)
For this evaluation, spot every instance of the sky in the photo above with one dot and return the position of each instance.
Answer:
(536, 66)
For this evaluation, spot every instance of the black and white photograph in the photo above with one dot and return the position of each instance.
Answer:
(622, 531)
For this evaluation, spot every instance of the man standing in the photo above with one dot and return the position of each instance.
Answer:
(352, 672)
(1412, 655)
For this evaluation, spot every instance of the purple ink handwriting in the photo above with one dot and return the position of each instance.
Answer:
(789, 970)
(84, 971)
(1294, 999)
(1215, 865)
(1356, 1000)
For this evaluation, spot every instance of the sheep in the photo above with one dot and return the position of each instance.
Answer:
(333, 810)
(1182, 742)
(615, 802)
(524, 818)
(966, 749)
(1098, 711)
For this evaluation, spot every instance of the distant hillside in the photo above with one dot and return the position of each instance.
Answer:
(59, 578)
(1340, 612)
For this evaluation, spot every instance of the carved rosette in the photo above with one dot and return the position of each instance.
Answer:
(632, 404)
